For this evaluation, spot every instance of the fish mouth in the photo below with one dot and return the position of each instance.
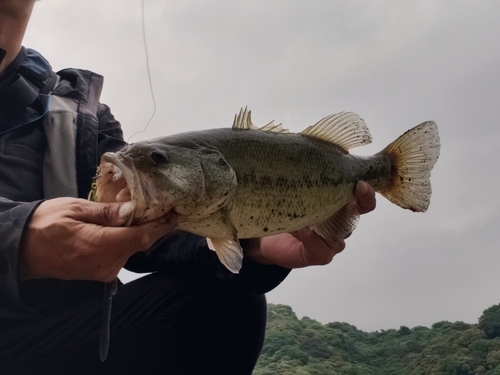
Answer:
(118, 181)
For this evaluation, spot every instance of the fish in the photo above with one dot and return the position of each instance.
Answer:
(228, 184)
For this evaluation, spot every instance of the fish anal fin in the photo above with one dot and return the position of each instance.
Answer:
(345, 129)
(228, 251)
(339, 226)
(243, 120)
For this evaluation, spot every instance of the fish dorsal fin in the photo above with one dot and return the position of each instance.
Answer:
(243, 120)
(345, 129)
(272, 128)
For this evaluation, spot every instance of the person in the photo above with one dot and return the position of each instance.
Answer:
(189, 316)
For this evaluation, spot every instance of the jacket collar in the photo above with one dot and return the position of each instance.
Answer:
(28, 76)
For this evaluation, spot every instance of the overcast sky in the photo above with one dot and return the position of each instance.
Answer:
(395, 63)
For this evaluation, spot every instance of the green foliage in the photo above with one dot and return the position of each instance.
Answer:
(307, 347)
(489, 322)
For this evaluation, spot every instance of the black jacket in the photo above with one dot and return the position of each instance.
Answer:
(53, 131)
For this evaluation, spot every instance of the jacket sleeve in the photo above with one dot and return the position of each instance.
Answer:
(186, 252)
(14, 217)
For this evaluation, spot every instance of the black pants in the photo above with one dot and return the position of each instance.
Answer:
(161, 324)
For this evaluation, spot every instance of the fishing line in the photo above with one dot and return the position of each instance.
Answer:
(148, 70)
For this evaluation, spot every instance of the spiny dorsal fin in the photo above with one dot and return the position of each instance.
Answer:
(243, 120)
(345, 129)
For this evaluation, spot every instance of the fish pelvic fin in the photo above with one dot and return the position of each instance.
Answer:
(228, 251)
(339, 226)
(346, 129)
(413, 155)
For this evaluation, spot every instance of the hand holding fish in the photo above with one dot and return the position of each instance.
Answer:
(304, 247)
(75, 239)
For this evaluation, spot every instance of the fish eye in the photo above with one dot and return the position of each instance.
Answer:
(158, 158)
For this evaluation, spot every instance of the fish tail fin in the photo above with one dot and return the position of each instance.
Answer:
(413, 156)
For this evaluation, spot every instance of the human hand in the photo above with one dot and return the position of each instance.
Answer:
(305, 247)
(75, 239)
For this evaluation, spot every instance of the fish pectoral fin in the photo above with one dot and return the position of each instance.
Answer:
(345, 129)
(229, 252)
(339, 226)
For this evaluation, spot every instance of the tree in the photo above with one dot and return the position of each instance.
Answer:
(489, 322)
(493, 359)
(404, 330)
(307, 347)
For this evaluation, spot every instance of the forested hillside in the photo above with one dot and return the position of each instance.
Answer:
(307, 347)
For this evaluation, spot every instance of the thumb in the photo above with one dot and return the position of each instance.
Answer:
(106, 214)
(303, 235)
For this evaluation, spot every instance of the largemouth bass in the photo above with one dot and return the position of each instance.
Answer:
(246, 182)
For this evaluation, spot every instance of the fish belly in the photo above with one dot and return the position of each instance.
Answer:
(269, 213)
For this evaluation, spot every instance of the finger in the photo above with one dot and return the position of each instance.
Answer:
(365, 197)
(157, 229)
(320, 251)
(140, 237)
(303, 235)
(308, 236)
(106, 214)
(317, 247)
(334, 246)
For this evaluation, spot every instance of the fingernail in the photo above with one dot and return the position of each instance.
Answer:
(126, 210)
